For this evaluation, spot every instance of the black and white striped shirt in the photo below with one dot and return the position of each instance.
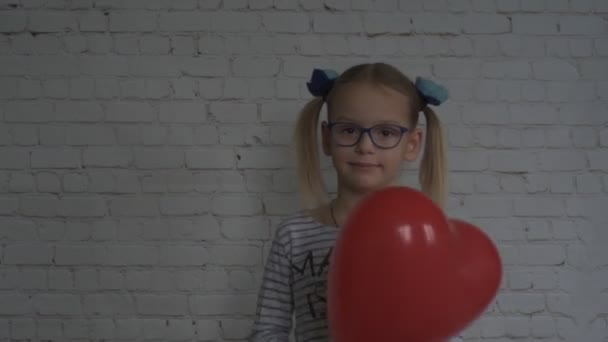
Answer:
(294, 283)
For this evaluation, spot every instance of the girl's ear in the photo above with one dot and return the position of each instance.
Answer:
(412, 145)
(325, 139)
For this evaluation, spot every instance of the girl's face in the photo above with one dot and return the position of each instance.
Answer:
(363, 164)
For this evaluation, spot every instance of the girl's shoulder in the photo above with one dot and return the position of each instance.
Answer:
(300, 223)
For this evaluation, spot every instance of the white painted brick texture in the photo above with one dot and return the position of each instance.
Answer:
(145, 154)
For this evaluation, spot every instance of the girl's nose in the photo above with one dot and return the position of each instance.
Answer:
(365, 144)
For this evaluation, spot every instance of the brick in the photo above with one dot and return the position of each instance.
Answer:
(539, 207)
(506, 70)
(593, 69)
(56, 21)
(601, 47)
(266, 4)
(130, 112)
(261, 181)
(236, 88)
(513, 161)
(236, 328)
(92, 22)
(589, 114)
(337, 23)
(14, 158)
(468, 160)
(182, 112)
(15, 304)
(245, 135)
(25, 111)
(13, 22)
(180, 329)
(222, 304)
(582, 24)
(563, 229)
(568, 92)
(185, 22)
(286, 22)
(521, 303)
(210, 158)
(562, 183)
(133, 21)
(81, 135)
(38, 206)
(544, 254)
(149, 304)
(558, 137)
(109, 304)
(243, 228)
(50, 329)
(263, 158)
(437, 23)
(232, 181)
(57, 304)
(554, 70)
(127, 328)
(56, 158)
(29, 89)
(226, 112)
(280, 111)
(489, 206)
(517, 327)
(553, 160)
(82, 207)
(280, 204)
(125, 255)
(235, 22)
(84, 279)
(184, 256)
(486, 24)
(134, 206)
(154, 158)
(183, 205)
(80, 255)
(102, 328)
(492, 327)
(233, 255)
(533, 114)
(237, 205)
(454, 68)
(255, 66)
(154, 45)
(107, 157)
(535, 24)
(383, 23)
(242, 280)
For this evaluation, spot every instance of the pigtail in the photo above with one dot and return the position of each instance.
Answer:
(308, 165)
(433, 167)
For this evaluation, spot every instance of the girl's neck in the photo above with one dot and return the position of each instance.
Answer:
(344, 203)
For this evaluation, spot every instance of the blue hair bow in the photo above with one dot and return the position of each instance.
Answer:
(430, 91)
(321, 82)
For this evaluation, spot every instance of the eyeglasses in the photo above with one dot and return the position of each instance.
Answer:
(384, 136)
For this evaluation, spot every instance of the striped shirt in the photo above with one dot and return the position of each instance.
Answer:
(294, 283)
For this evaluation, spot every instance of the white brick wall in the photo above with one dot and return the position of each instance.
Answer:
(145, 161)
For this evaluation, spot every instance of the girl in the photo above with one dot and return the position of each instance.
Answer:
(371, 129)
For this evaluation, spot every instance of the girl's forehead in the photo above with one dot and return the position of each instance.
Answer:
(370, 104)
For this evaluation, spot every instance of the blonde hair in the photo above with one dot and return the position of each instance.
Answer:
(433, 170)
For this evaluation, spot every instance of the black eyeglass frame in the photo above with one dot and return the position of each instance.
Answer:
(368, 130)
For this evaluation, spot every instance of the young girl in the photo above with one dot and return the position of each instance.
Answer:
(371, 129)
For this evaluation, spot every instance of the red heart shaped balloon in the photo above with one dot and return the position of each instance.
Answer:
(402, 271)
